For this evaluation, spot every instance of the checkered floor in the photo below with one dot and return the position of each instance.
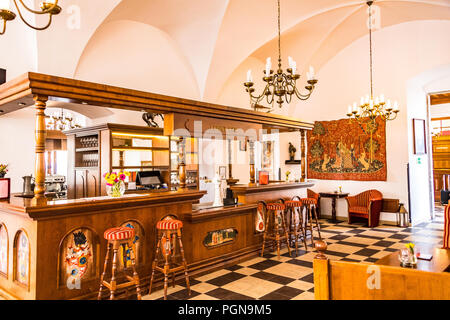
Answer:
(270, 278)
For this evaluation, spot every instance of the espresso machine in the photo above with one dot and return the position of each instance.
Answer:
(56, 187)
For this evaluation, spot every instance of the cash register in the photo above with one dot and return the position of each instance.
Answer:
(149, 180)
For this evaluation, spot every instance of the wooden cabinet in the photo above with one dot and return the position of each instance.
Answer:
(94, 151)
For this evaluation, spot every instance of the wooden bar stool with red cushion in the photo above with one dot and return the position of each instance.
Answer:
(311, 222)
(446, 244)
(275, 224)
(120, 236)
(169, 231)
(295, 220)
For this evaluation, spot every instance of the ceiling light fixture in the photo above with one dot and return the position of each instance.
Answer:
(280, 84)
(49, 7)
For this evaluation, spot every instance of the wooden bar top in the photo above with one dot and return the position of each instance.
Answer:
(57, 207)
(273, 186)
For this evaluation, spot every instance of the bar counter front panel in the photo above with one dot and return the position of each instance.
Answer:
(57, 251)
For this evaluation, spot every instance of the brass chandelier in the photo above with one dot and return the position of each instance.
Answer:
(369, 108)
(49, 7)
(61, 121)
(280, 84)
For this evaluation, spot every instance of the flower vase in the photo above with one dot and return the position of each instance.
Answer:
(2, 174)
(116, 190)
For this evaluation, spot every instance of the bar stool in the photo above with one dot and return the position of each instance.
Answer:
(275, 218)
(169, 230)
(294, 214)
(120, 236)
(311, 221)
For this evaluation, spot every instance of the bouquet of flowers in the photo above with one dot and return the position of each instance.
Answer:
(3, 170)
(115, 182)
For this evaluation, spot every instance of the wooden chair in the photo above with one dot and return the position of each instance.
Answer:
(294, 220)
(120, 236)
(365, 205)
(342, 280)
(313, 195)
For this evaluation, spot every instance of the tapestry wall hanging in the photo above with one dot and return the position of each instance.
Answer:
(344, 150)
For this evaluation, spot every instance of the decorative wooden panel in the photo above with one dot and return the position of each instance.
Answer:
(22, 259)
(139, 242)
(4, 250)
(78, 257)
(220, 237)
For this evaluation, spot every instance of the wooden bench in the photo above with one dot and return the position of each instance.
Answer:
(341, 280)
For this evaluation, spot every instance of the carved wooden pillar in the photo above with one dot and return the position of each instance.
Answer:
(182, 162)
(40, 136)
(251, 145)
(303, 154)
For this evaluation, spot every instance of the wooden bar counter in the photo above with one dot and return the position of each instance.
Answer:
(51, 247)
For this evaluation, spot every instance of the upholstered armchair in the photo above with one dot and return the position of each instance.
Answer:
(312, 195)
(365, 205)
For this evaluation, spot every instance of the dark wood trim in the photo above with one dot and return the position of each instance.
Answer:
(439, 98)
(18, 91)
(245, 189)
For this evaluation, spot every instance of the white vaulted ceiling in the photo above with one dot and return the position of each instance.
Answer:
(203, 43)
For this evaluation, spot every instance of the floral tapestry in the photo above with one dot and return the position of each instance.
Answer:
(344, 150)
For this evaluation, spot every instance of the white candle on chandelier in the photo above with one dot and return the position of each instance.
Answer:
(381, 98)
(311, 72)
(268, 66)
(349, 109)
(395, 105)
(370, 104)
(294, 67)
(355, 107)
(249, 75)
(388, 104)
(291, 64)
(377, 101)
(362, 101)
(4, 5)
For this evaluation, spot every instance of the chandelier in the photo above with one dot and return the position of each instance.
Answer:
(61, 122)
(280, 86)
(369, 108)
(49, 7)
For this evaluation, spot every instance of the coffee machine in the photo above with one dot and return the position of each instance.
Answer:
(56, 187)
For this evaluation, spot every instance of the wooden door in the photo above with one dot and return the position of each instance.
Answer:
(80, 184)
(92, 183)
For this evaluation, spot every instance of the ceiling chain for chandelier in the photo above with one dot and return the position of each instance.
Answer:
(49, 7)
(369, 108)
(281, 85)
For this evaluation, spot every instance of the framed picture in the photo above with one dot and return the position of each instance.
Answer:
(243, 145)
(5, 188)
(223, 172)
(419, 135)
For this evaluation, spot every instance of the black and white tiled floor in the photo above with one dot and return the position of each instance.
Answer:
(270, 278)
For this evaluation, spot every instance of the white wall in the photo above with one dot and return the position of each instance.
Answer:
(17, 145)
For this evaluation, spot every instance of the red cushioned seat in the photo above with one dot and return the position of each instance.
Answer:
(275, 206)
(119, 233)
(169, 224)
(309, 201)
(363, 210)
(293, 204)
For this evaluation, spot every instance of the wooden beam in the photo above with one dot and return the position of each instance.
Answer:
(16, 94)
(439, 98)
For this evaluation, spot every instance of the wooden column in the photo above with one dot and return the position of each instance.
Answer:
(251, 145)
(182, 162)
(40, 136)
(303, 154)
